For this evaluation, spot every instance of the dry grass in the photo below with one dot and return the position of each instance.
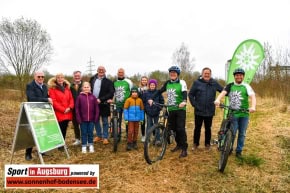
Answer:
(268, 138)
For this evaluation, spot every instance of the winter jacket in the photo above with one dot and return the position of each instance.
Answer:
(87, 108)
(133, 109)
(202, 95)
(75, 93)
(36, 94)
(152, 110)
(107, 92)
(61, 98)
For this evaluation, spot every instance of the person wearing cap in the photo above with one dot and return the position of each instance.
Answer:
(239, 94)
(133, 114)
(201, 96)
(176, 90)
(152, 112)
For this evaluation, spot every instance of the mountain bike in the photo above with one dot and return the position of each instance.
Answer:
(226, 136)
(158, 136)
(114, 127)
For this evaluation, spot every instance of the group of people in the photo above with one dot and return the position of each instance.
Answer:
(87, 104)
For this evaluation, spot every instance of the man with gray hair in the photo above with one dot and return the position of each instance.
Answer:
(36, 91)
(103, 90)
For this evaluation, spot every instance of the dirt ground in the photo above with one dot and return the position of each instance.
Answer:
(268, 139)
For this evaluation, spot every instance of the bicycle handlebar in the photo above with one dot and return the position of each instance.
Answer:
(223, 106)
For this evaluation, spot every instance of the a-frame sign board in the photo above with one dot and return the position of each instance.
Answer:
(37, 126)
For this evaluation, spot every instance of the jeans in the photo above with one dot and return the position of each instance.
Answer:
(150, 122)
(105, 128)
(87, 132)
(240, 124)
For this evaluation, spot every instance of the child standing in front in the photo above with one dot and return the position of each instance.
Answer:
(133, 114)
(87, 114)
(152, 111)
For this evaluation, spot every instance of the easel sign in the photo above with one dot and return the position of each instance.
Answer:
(37, 126)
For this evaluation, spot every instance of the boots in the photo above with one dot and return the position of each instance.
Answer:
(84, 149)
(129, 147)
(91, 149)
(134, 145)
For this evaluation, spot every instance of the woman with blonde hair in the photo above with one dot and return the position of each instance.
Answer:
(63, 103)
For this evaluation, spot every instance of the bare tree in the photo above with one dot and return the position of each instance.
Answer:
(24, 46)
(181, 58)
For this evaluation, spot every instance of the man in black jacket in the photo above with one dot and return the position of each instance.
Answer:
(103, 89)
(36, 91)
(202, 96)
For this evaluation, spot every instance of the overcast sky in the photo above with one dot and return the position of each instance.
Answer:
(141, 36)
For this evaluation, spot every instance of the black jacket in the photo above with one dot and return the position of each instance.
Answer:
(202, 95)
(107, 92)
(35, 94)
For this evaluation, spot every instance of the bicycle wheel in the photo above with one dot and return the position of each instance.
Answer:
(155, 143)
(115, 134)
(225, 150)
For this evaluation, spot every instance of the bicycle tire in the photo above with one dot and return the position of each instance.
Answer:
(154, 152)
(225, 150)
(115, 134)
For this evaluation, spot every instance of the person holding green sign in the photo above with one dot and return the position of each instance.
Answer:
(36, 91)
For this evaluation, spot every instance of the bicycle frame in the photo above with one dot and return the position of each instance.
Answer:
(226, 136)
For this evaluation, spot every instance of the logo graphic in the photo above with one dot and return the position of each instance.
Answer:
(171, 94)
(120, 94)
(247, 59)
(236, 98)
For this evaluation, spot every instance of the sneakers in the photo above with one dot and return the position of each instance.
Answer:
(77, 142)
(129, 147)
(91, 149)
(84, 149)
(175, 149)
(134, 145)
(207, 147)
(158, 143)
(194, 147)
(183, 154)
(239, 154)
(28, 156)
(98, 139)
(105, 141)
(143, 139)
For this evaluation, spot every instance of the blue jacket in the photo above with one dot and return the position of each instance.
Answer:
(152, 110)
(202, 96)
(35, 94)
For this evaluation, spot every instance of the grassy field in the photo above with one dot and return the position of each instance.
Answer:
(264, 167)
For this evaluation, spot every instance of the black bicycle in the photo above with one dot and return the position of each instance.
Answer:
(114, 127)
(158, 136)
(226, 136)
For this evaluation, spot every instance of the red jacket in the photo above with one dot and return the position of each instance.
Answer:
(62, 99)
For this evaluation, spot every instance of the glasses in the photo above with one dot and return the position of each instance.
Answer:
(40, 76)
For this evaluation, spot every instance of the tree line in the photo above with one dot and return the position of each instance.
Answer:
(25, 47)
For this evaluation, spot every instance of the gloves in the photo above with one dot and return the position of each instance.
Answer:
(126, 122)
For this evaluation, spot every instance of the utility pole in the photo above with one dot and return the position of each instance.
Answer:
(90, 66)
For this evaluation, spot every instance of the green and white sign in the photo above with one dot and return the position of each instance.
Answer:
(37, 126)
(44, 126)
(248, 56)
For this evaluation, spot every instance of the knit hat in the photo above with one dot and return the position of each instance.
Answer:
(134, 89)
(153, 81)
